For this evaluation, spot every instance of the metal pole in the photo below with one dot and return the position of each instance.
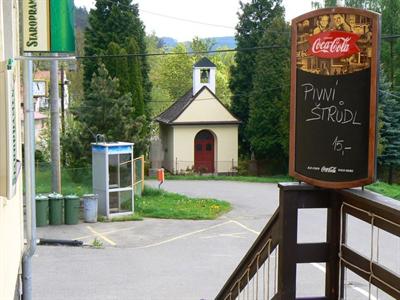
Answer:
(62, 99)
(62, 111)
(29, 163)
(55, 129)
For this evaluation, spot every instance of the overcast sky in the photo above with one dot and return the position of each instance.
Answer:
(219, 14)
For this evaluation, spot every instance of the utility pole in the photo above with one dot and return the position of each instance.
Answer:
(62, 110)
(55, 129)
(62, 99)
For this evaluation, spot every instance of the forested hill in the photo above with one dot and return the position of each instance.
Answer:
(219, 42)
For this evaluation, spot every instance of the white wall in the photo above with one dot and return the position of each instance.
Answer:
(205, 108)
(167, 142)
(11, 210)
(226, 145)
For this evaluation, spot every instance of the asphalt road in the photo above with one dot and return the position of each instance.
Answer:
(173, 259)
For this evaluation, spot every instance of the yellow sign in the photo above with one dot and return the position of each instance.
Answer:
(36, 25)
(48, 26)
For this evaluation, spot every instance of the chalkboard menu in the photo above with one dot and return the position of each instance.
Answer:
(333, 97)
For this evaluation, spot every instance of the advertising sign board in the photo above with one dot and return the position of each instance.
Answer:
(334, 97)
(10, 165)
(48, 26)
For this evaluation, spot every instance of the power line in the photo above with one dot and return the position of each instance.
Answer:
(173, 17)
(180, 53)
(185, 20)
(383, 37)
(390, 36)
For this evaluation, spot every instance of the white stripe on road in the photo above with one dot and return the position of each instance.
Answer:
(356, 288)
(102, 236)
(183, 236)
(245, 227)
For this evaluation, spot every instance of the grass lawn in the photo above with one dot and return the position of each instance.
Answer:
(73, 182)
(270, 179)
(156, 203)
(392, 191)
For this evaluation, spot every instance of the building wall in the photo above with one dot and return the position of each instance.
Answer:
(167, 142)
(205, 108)
(11, 210)
(226, 146)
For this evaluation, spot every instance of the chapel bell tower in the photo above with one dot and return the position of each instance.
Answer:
(204, 75)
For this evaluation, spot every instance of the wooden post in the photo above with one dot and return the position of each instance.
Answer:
(333, 240)
(293, 197)
(142, 158)
(134, 173)
(288, 244)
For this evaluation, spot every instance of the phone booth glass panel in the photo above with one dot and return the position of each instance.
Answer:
(113, 177)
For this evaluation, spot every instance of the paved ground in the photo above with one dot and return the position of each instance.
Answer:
(170, 259)
(155, 259)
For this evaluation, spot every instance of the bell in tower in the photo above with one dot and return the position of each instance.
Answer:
(205, 76)
(204, 72)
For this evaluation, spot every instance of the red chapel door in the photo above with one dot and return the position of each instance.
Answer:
(204, 152)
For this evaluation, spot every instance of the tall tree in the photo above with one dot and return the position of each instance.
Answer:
(115, 30)
(107, 111)
(390, 127)
(175, 73)
(116, 22)
(267, 128)
(254, 18)
(390, 48)
(172, 76)
(135, 79)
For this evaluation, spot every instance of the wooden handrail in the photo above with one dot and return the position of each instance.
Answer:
(379, 211)
(269, 233)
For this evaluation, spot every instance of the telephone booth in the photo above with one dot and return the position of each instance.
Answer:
(113, 178)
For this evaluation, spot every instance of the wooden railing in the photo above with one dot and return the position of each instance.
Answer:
(277, 246)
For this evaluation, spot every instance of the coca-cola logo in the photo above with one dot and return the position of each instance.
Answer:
(333, 44)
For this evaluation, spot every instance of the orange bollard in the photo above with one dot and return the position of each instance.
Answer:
(160, 176)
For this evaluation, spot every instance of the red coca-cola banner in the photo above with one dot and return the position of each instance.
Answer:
(333, 44)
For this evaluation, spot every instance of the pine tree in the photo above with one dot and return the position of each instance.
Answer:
(114, 31)
(267, 129)
(254, 19)
(115, 22)
(134, 77)
(103, 106)
(389, 127)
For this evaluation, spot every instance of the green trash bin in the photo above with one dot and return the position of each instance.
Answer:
(42, 210)
(71, 209)
(56, 209)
